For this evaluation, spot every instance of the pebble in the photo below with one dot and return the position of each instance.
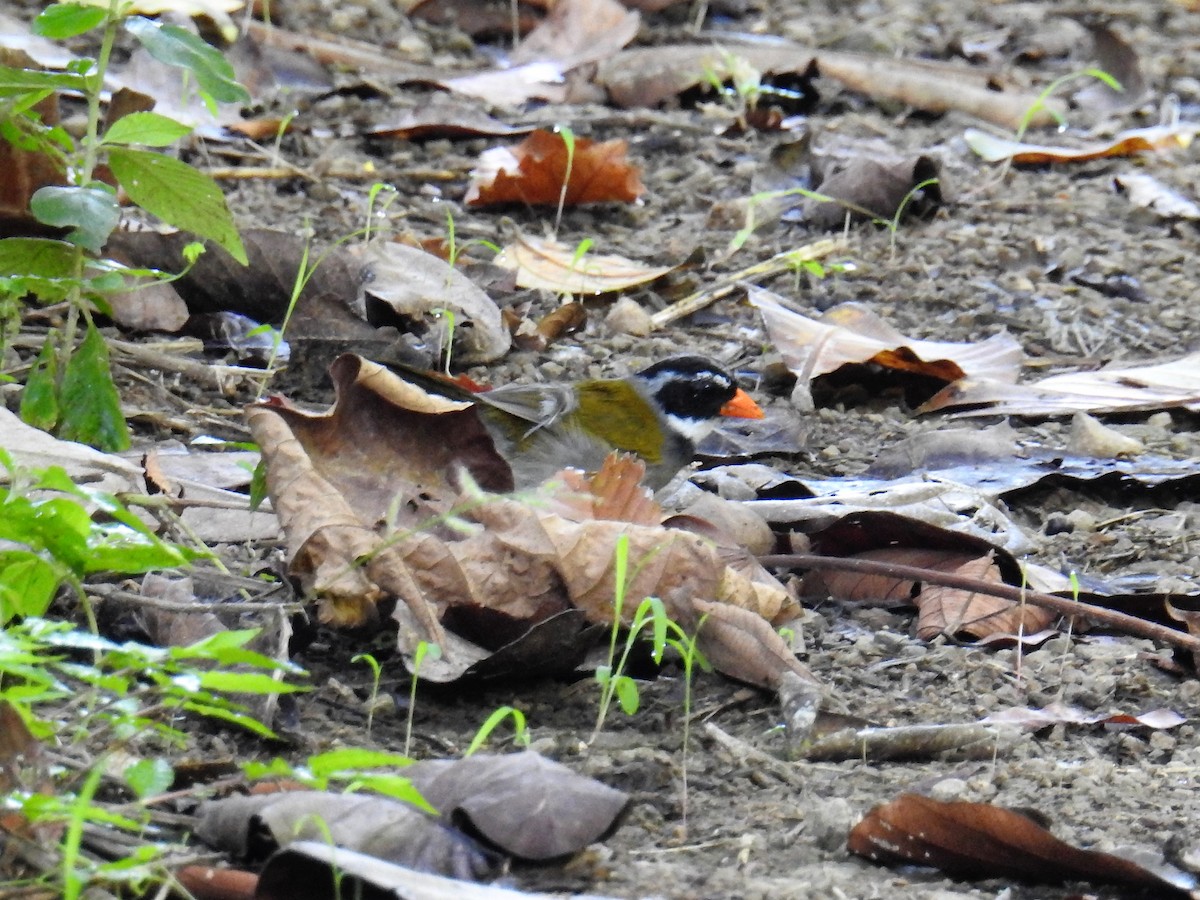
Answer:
(948, 789)
(829, 822)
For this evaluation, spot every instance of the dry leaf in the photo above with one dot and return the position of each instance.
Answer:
(978, 840)
(527, 805)
(577, 32)
(535, 170)
(1155, 139)
(1148, 192)
(1114, 389)
(547, 264)
(1060, 714)
(851, 333)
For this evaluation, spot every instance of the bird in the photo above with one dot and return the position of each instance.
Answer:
(658, 414)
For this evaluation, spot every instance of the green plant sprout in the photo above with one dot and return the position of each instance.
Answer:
(746, 87)
(520, 732)
(376, 673)
(75, 395)
(685, 645)
(372, 194)
(424, 649)
(568, 137)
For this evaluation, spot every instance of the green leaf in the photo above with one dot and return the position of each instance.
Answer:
(27, 585)
(67, 20)
(177, 194)
(146, 128)
(353, 758)
(627, 694)
(91, 409)
(397, 787)
(148, 777)
(90, 212)
(39, 257)
(246, 683)
(15, 81)
(177, 47)
(39, 400)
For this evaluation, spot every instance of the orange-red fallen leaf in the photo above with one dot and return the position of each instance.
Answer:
(978, 840)
(942, 610)
(534, 171)
(550, 265)
(207, 883)
(1155, 139)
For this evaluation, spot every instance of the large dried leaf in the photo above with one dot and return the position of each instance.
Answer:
(551, 265)
(1056, 713)
(852, 334)
(1114, 389)
(527, 805)
(534, 172)
(978, 840)
(362, 489)
(378, 826)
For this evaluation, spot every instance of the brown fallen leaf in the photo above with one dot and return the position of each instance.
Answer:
(535, 171)
(978, 840)
(577, 32)
(527, 805)
(1061, 714)
(1155, 139)
(550, 265)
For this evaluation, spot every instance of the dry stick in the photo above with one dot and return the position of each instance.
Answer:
(1061, 605)
(780, 262)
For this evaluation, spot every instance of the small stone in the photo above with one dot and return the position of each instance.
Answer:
(1090, 437)
(829, 823)
(1081, 520)
(628, 317)
(1057, 523)
(1160, 420)
(948, 789)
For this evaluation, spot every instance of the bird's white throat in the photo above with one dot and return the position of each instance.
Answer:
(695, 430)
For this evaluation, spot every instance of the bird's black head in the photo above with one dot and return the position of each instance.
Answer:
(689, 387)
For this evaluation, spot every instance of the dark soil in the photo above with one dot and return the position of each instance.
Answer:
(1030, 252)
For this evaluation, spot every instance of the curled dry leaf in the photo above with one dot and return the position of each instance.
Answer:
(978, 840)
(425, 290)
(527, 805)
(1155, 139)
(851, 333)
(535, 171)
(550, 265)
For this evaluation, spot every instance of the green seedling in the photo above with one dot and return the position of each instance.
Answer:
(351, 769)
(376, 672)
(568, 137)
(424, 649)
(520, 732)
(685, 645)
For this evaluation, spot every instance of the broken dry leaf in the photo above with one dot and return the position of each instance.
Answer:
(1155, 139)
(547, 264)
(1148, 192)
(535, 171)
(864, 187)
(978, 840)
(1114, 389)
(1061, 714)
(445, 116)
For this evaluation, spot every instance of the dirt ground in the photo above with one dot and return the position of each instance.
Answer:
(1055, 256)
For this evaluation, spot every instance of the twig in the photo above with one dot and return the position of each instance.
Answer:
(1061, 605)
(780, 262)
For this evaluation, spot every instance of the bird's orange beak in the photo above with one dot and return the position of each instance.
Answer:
(742, 406)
